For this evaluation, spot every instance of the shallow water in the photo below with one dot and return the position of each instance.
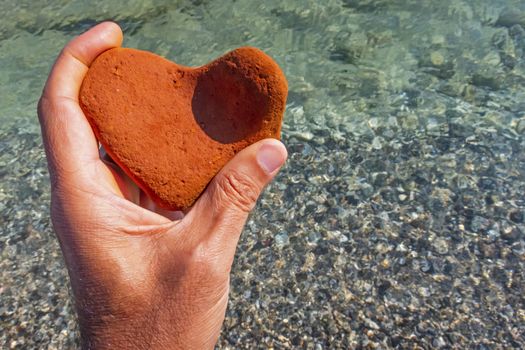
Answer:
(399, 218)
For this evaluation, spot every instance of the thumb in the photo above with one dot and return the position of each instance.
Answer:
(224, 206)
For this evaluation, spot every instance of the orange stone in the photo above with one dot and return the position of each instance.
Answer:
(171, 128)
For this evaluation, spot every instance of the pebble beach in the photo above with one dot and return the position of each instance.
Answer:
(398, 221)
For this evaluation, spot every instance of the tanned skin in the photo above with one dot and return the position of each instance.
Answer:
(142, 277)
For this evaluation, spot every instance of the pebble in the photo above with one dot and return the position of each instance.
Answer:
(377, 143)
(207, 135)
(511, 16)
(282, 239)
(437, 58)
(441, 246)
(340, 237)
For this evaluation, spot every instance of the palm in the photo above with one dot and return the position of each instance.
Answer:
(142, 256)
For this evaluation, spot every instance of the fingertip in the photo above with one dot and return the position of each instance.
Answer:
(76, 58)
(271, 155)
(87, 46)
(111, 32)
(109, 23)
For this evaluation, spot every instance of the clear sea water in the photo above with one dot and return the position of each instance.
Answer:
(402, 115)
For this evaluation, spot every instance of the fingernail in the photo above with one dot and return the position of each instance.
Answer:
(271, 155)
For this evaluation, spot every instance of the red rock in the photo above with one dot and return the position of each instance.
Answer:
(171, 128)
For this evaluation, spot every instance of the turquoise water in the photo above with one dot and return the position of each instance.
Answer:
(398, 220)
(348, 60)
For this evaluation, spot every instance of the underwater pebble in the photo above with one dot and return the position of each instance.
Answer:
(437, 58)
(441, 246)
(281, 239)
(339, 238)
(511, 16)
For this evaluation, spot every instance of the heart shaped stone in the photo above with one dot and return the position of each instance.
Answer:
(171, 128)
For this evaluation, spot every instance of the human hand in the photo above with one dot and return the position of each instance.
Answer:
(142, 277)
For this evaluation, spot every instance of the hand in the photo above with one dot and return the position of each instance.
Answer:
(140, 278)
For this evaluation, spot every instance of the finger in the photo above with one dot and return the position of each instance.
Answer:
(147, 203)
(221, 211)
(68, 137)
(73, 62)
(122, 185)
(129, 190)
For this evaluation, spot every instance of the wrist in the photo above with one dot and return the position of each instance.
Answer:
(117, 325)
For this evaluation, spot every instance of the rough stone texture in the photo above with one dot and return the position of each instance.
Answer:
(172, 128)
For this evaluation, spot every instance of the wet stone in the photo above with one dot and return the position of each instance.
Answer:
(511, 16)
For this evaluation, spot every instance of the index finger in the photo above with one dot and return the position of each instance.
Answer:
(68, 138)
(73, 62)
